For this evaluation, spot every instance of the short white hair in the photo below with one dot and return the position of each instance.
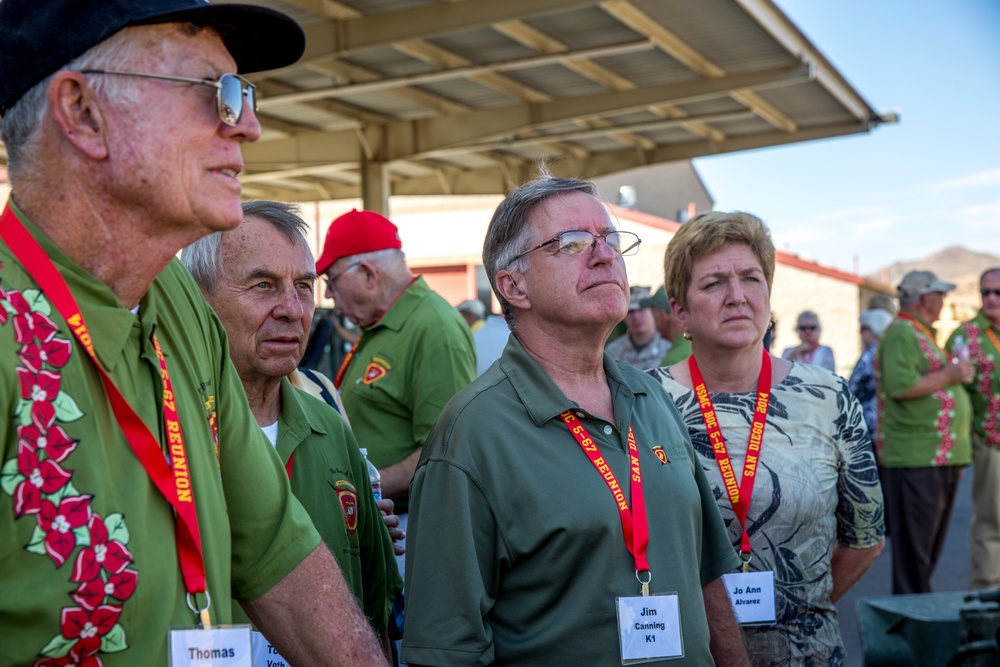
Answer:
(876, 319)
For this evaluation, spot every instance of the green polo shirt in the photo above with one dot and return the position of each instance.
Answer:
(87, 538)
(405, 368)
(329, 474)
(515, 553)
(680, 351)
(984, 390)
(932, 430)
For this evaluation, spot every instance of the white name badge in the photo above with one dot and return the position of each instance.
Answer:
(227, 646)
(752, 596)
(265, 655)
(649, 628)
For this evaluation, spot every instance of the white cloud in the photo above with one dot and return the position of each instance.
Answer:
(987, 178)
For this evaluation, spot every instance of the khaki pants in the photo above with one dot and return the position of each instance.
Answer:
(986, 515)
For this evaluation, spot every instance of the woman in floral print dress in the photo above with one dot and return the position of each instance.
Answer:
(811, 506)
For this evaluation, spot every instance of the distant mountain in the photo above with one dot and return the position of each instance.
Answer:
(952, 264)
(956, 265)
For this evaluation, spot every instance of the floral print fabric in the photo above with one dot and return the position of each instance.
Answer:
(817, 485)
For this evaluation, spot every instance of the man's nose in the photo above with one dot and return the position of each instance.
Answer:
(289, 306)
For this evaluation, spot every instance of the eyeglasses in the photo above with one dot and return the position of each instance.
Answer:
(230, 90)
(579, 241)
(808, 327)
(987, 292)
(331, 281)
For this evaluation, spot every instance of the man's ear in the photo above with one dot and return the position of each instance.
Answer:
(370, 272)
(511, 290)
(78, 113)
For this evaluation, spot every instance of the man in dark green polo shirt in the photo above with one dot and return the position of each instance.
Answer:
(259, 278)
(541, 479)
(923, 430)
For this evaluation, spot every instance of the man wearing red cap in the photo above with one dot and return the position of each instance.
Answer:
(415, 351)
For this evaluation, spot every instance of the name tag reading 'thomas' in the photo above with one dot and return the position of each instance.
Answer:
(218, 647)
(752, 596)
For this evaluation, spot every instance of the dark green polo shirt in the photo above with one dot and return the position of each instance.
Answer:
(515, 552)
(330, 479)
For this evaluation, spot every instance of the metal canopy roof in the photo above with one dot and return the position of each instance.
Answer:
(466, 96)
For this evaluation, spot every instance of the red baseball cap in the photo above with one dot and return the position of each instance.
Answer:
(357, 232)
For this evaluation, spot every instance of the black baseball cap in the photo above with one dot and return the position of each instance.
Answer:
(37, 37)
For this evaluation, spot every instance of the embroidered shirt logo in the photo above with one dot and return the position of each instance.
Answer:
(377, 369)
(349, 503)
(660, 454)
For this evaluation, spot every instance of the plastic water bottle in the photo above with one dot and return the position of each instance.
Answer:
(374, 476)
(960, 349)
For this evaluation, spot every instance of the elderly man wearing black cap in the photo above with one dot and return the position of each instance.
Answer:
(922, 438)
(137, 495)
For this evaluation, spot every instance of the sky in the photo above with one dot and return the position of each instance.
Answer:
(902, 191)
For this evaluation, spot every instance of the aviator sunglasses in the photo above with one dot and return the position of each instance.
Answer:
(230, 90)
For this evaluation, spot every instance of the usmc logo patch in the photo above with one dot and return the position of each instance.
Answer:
(660, 454)
(349, 503)
(377, 369)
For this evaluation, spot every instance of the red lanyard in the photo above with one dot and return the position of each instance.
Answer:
(635, 528)
(739, 495)
(339, 378)
(173, 479)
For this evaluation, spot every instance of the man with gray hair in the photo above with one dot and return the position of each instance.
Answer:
(530, 539)
(259, 279)
(978, 340)
(138, 495)
(922, 440)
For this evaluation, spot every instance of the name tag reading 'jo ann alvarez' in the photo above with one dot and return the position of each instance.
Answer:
(752, 596)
